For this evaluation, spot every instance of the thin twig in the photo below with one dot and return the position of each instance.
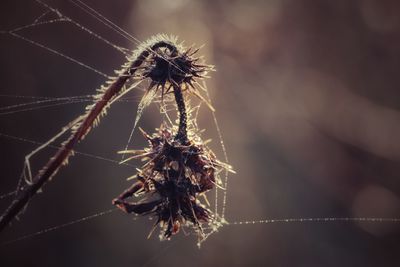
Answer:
(66, 150)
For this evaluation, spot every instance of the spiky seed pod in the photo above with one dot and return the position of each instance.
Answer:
(171, 180)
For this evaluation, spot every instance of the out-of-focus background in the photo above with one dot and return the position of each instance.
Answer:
(307, 95)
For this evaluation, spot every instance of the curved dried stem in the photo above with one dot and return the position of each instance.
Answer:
(89, 120)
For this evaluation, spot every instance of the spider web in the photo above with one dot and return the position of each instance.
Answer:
(166, 107)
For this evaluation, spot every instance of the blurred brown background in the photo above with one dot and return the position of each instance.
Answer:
(307, 94)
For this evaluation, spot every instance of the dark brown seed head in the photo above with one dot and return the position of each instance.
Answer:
(169, 63)
(172, 178)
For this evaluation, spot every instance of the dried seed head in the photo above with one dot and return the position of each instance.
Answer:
(170, 63)
(173, 177)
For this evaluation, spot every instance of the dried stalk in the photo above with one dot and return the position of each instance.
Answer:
(90, 118)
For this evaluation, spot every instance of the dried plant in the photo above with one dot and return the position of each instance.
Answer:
(179, 166)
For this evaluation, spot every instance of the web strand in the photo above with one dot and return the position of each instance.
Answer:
(41, 16)
(37, 24)
(46, 100)
(41, 104)
(59, 54)
(97, 15)
(45, 106)
(58, 227)
(57, 147)
(102, 19)
(68, 19)
(146, 101)
(319, 220)
(225, 154)
(249, 222)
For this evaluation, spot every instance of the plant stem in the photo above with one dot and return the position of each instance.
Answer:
(62, 155)
(180, 102)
